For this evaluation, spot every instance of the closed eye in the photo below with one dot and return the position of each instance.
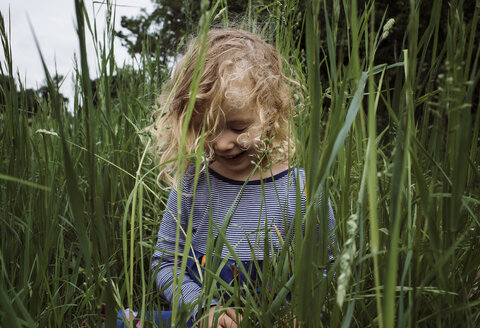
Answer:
(239, 126)
(238, 130)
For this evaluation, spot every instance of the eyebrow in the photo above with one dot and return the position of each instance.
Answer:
(240, 121)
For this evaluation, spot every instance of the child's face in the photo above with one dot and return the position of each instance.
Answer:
(233, 157)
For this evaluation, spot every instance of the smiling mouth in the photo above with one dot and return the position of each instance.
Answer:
(233, 157)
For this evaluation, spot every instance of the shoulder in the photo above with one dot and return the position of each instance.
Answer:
(189, 178)
(186, 184)
(298, 173)
(288, 176)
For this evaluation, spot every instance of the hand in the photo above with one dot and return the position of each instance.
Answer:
(226, 319)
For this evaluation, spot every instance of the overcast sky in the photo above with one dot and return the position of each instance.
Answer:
(53, 22)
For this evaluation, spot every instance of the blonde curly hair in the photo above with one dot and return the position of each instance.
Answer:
(228, 54)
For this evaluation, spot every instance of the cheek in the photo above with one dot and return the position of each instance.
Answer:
(244, 140)
(250, 139)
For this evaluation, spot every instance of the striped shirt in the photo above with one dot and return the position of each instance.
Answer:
(254, 209)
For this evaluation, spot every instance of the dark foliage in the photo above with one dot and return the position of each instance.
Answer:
(162, 32)
(28, 100)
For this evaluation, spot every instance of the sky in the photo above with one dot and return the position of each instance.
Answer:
(54, 24)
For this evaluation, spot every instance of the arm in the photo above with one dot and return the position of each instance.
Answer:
(163, 257)
(331, 231)
(330, 224)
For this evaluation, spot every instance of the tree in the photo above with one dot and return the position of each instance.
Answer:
(27, 100)
(162, 32)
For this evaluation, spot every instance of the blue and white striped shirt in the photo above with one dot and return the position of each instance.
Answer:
(259, 208)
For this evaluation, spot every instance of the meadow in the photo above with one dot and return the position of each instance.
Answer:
(393, 144)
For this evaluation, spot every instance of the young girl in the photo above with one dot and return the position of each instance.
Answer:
(245, 188)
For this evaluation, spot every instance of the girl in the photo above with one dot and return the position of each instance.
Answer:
(245, 194)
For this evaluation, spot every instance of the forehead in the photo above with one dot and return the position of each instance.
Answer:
(242, 108)
(239, 99)
(233, 114)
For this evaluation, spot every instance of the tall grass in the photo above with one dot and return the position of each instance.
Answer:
(393, 145)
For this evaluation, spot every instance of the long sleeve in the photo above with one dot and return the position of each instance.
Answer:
(164, 255)
(331, 231)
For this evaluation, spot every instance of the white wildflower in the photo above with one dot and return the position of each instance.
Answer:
(346, 259)
(386, 28)
(389, 24)
(43, 131)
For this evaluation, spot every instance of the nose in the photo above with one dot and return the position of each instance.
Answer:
(225, 141)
